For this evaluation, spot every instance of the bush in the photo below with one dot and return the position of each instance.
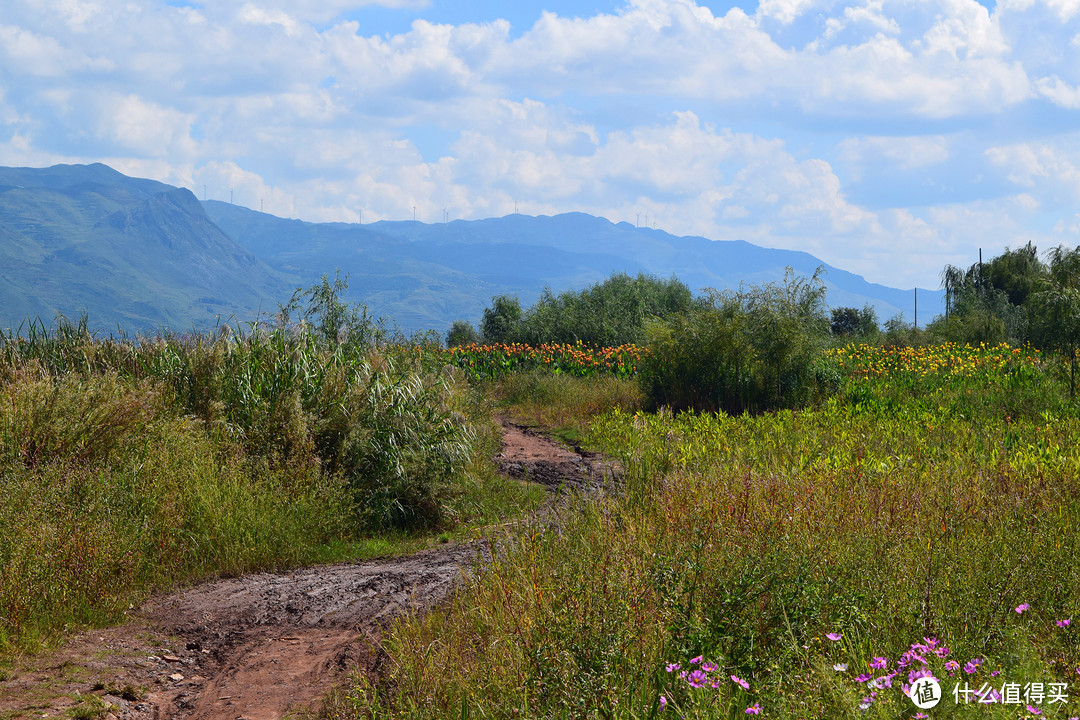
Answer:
(461, 333)
(849, 322)
(394, 437)
(614, 312)
(500, 321)
(754, 349)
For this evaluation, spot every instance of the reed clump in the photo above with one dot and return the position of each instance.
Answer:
(134, 464)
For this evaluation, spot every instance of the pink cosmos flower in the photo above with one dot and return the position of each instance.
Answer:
(697, 679)
(1064, 623)
(754, 709)
(835, 637)
(1021, 608)
(879, 663)
(739, 681)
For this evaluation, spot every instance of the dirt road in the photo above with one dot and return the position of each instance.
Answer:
(258, 646)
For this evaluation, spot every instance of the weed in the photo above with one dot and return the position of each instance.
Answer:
(91, 708)
(129, 466)
(754, 541)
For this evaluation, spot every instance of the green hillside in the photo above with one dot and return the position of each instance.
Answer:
(134, 254)
(141, 255)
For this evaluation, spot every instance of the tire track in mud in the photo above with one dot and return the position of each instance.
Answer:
(259, 646)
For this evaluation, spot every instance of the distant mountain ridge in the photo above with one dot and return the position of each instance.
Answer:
(134, 254)
(141, 255)
(521, 255)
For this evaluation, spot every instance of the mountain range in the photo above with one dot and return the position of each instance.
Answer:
(140, 255)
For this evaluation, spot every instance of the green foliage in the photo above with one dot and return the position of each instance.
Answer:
(1015, 273)
(128, 467)
(395, 439)
(1056, 307)
(754, 349)
(1015, 297)
(849, 322)
(499, 323)
(608, 314)
(107, 494)
(987, 302)
(614, 312)
(751, 539)
(321, 307)
(565, 403)
(461, 333)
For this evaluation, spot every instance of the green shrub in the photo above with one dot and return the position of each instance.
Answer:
(754, 349)
(395, 437)
(461, 333)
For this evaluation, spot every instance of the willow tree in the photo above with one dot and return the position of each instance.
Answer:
(1056, 305)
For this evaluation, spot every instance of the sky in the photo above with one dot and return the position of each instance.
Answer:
(886, 137)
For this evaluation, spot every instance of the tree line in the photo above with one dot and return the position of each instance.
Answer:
(754, 348)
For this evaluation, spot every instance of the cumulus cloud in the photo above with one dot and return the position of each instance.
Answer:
(1059, 92)
(751, 123)
(1053, 169)
(144, 128)
(784, 10)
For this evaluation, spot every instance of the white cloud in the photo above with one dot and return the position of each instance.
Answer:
(35, 54)
(1050, 169)
(784, 10)
(145, 128)
(251, 15)
(1059, 92)
(1066, 9)
(744, 124)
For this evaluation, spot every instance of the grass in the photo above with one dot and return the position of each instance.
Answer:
(752, 542)
(562, 404)
(132, 467)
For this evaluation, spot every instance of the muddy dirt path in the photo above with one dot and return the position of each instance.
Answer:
(260, 646)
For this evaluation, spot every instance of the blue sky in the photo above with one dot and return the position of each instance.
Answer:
(887, 137)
